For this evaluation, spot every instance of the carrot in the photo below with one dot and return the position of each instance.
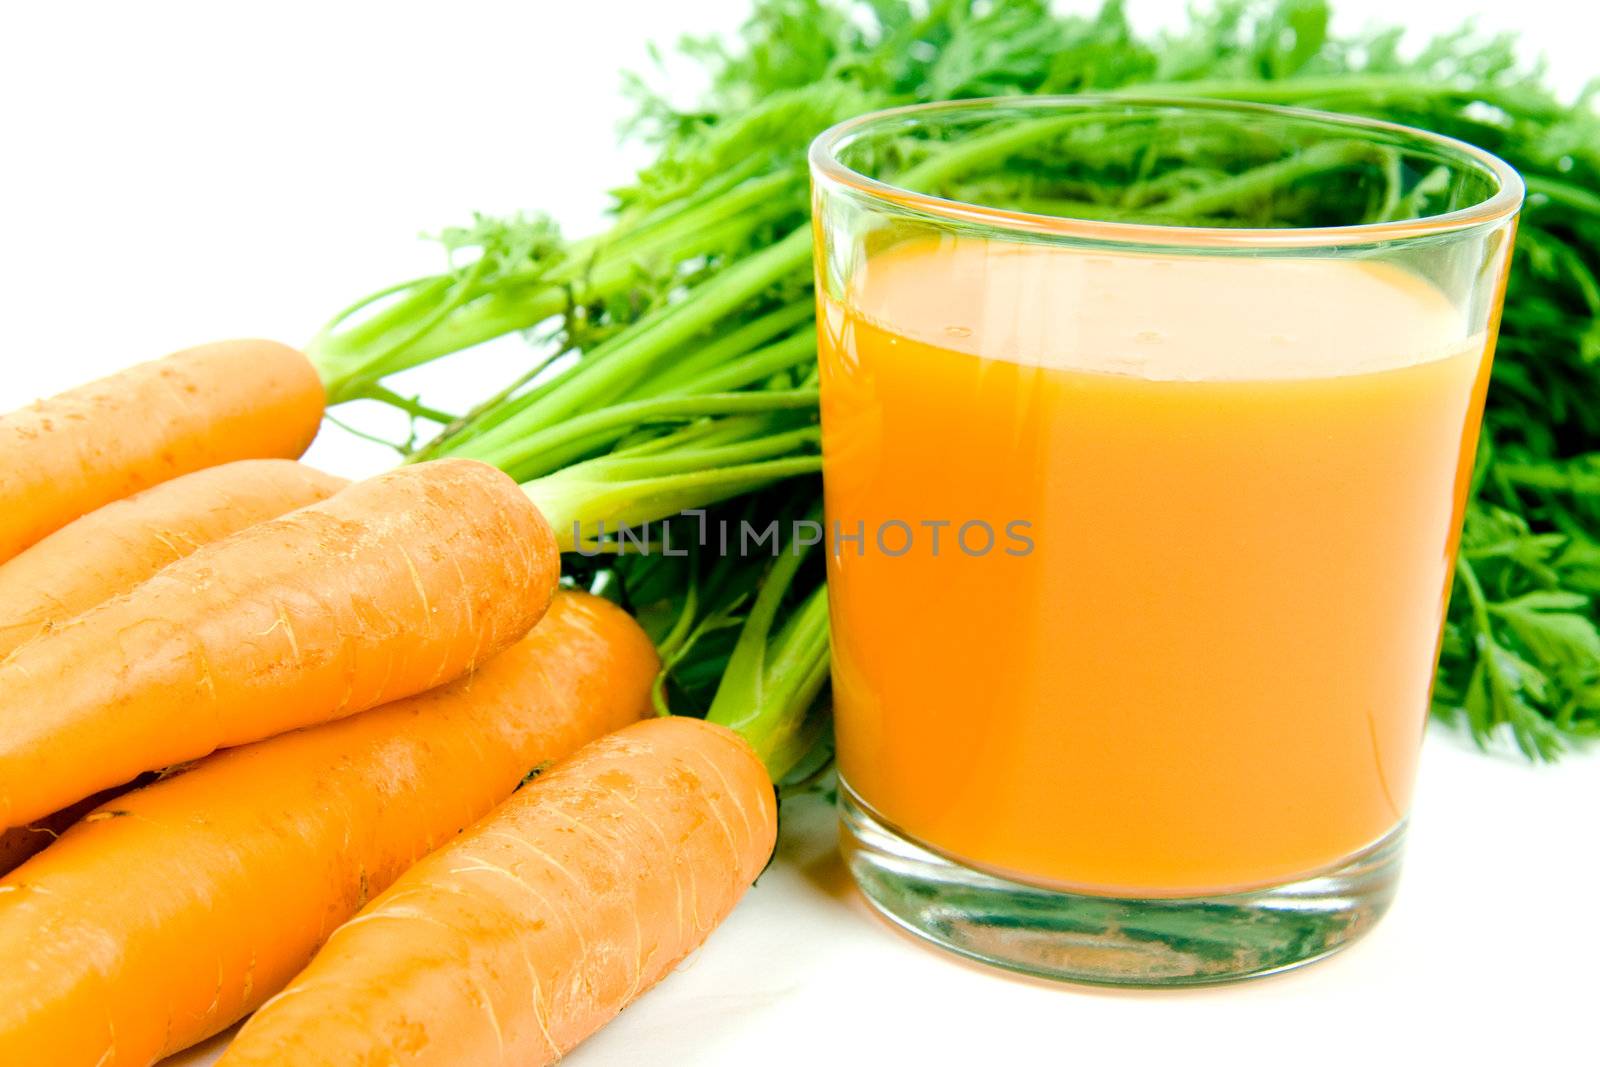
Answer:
(388, 588)
(174, 910)
(109, 551)
(68, 455)
(516, 941)
(21, 842)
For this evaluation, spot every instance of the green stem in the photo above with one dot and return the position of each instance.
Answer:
(575, 504)
(758, 366)
(1557, 479)
(420, 329)
(797, 669)
(553, 448)
(770, 684)
(1564, 193)
(630, 355)
(765, 446)
(369, 329)
(963, 156)
(411, 405)
(1259, 181)
(365, 435)
(735, 343)
(1475, 595)
(458, 295)
(1368, 88)
(487, 407)
(347, 370)
(1069, 208)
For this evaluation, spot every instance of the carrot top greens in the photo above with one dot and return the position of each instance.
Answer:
(674, 366)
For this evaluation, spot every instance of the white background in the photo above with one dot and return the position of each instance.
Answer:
(177, 173)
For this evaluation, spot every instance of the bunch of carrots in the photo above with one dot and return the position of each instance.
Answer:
(347, 756)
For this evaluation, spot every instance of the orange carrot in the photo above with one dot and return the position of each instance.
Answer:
(172, 911)
(65, 456)
(386, 589)
(516, 941)
(109, 551)
(21, 842)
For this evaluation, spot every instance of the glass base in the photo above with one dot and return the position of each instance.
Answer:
(1122, 941)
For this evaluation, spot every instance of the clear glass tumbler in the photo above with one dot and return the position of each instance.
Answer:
(1147, 429)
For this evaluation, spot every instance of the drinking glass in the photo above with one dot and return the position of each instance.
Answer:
(1147, 429)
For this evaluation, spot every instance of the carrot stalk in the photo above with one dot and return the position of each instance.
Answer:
(172, 911)
(109, 551)
(391, 587)
(774, 676)
(532, 930)
(68, 455)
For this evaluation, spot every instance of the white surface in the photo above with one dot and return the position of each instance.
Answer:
(180, 173)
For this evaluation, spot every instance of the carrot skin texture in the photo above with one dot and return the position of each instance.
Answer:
(516, 941)
(22, 842)
(112, 549)
(68, 455)
(393, 586)
(174, 910)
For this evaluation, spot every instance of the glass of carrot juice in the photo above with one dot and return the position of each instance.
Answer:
(1147, 430)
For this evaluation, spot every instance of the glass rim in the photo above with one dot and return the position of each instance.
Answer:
(1500, 206)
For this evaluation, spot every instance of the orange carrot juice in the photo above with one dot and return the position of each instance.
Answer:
(1193, 651)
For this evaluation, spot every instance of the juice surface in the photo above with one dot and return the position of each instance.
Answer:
(1204, 662)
